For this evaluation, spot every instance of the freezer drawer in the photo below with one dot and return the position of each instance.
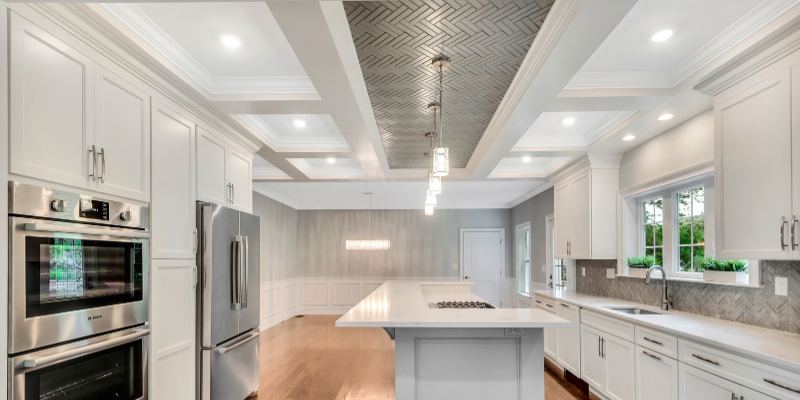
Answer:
(230, 370)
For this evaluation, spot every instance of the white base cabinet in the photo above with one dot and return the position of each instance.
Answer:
(607, 363)
(695, 384)
(656, 375)
(568, 346)
(550, 334)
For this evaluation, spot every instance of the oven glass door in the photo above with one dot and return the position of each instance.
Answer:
(68, 274)
(115, 373)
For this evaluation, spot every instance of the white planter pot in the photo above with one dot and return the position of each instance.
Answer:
(637, 272)
(725, 276)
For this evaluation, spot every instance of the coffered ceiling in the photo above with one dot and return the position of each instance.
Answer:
(486, 41)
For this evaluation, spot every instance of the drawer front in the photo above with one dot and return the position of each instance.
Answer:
(763, 378)
(611, 325)
(545, 304)
(657, 341)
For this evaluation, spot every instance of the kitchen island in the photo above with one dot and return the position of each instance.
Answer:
(464, 353)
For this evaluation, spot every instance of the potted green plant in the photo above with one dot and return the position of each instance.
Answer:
(638, 265)
(729, 271)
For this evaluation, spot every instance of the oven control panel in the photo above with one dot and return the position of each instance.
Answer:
(94, 209)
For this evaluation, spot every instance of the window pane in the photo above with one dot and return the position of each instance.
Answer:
(648, 235)
(649, 252)
(685, 231)
(699, 255)
(658, 205)
(698, 203)
(659, 234)
(648, 212)
(684, 204)
(659, 256)
(685, 261)
(698, 228)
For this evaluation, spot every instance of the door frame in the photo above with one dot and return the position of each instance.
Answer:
(549, 224)
(461, 232)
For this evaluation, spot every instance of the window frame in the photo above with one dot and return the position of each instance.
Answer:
(676, 267)
(527, 267)
(642, 225)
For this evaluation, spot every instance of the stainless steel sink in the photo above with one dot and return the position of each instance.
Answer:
(634, 310)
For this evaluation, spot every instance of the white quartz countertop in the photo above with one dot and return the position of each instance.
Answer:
(772, 346)
(402, 304)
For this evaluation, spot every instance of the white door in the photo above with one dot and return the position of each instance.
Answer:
(593, 366)
(695, 384)
(562, 220)
(754, 199)
(483, 257)
(619, 359)
(240, 176)
(581, 216)
(656, 376)
(568, 353)
(173, 207)
(122, 135)
(173, 332)
(51, 106)
(212, 165)
(750, 394)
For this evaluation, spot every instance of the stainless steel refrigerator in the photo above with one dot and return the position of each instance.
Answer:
(227, 302)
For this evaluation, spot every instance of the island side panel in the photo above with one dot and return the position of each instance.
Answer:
(468, 363)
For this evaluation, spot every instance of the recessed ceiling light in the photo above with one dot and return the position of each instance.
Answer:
(665, 117)
(299, 123)
(568, 121)
(661, 36)
(331, 160)
(526, 159)
(230, 41)
(629, 137)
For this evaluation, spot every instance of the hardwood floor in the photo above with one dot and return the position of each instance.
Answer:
(309, 358)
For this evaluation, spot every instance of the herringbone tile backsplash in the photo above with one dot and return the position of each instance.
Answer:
(753, 306)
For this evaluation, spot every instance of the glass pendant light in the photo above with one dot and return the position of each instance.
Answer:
(368, 244)
(430, 198)
(434, 183)
(441, 154)
(428, 209)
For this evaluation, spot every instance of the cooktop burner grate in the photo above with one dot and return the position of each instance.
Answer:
(461, 304)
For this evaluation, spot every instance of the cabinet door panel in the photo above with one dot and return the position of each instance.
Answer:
(568, 353)
(122, 133)
(619, 358)
(695, 384)
(656, 376)
(550, 342)
(752, 194)
(51, 105)
(173, 206)
(795, 71)
(581, 219)
(240, 175)
(563, 223)
(593, 369)
(750, 394)
(212, 165)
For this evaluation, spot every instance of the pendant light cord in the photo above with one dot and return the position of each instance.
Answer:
(441, 109)
(371, 230)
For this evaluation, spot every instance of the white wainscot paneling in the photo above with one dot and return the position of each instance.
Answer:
(346, 294)
(278, 302)
(314, 294)
(371, 287)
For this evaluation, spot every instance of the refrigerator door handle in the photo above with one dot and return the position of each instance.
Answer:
(236, 271)
(244, 273)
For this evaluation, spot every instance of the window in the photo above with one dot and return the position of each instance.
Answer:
(653, 229)
(523, 239)
(559, 272)
(691, 228)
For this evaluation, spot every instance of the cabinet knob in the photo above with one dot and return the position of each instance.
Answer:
(58, 205)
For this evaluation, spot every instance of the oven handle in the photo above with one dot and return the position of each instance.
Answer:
(92, 348)
(82, 230)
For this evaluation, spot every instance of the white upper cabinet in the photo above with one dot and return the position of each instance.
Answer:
(173, 208)
(51, 89)
(225, 173)
(586, 210)
(122, 136)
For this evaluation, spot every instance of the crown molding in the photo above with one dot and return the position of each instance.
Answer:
(607, 125)
(276, 141)
(604, 161)
(558, 20)
(589, 161)
(522, 171)
(137, 21)
(275, 196)
(669, 179)
(538, 189)
(740, 30)
(334, 14)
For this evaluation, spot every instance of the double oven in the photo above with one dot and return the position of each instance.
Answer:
(78, 287)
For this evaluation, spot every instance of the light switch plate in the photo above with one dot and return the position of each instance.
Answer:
(455, 266)
(515, 332)
(781, 286)
(583, 271)
(611, 273)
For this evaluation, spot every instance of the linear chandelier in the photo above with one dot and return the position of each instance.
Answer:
(439, 164)
(368, 244)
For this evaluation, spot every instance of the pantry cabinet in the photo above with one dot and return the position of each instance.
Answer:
(585, 209)
(224, 172)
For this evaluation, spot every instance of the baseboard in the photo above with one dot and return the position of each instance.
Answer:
(276, 319)
(323, 310)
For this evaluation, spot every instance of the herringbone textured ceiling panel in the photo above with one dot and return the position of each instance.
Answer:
(486, 41)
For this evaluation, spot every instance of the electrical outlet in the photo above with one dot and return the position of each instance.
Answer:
(611, 273)
(515, 332)
(781, 286)
(583, 271)
(455, 266)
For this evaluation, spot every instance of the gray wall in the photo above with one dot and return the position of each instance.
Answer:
(421, 246)
(278, 238)
(535, 210)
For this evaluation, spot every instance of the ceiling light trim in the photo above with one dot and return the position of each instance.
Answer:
(136, 20)
(277, 141)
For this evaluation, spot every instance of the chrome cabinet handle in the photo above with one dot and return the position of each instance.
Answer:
(233, 193)
(603, 347)
(92, 348)
(651, 355)
(223, 350)
(564, 305)
(195, 278)
(708, 360)
(794, 222)
(782, 386)
(93, 175)
(537, 301)
(194, 243)
(599, 351)
(228, 192)
(783, 233)
(103, 165)
(653, 341)
(549, 305)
